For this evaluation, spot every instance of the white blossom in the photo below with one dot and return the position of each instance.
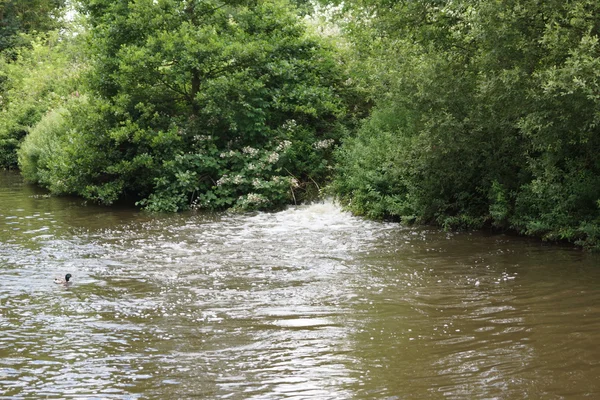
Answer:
(323, 144)
(250, 150)
(284, 145)
(238, 179)
(256, 198)
(202, 138)
(290, 125)
(223, 180)
(273, 158)
(230, 153)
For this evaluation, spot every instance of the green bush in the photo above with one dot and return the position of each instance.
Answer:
(233, 107)
(42, 77)
(43, 146)
(503, 103)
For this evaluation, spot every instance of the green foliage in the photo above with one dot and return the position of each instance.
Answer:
(197, 105)
(68, 153)
(42, 146)
(503, 103)
(19, 19)
(41, 78)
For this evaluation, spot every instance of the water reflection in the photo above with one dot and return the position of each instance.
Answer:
(305, 303)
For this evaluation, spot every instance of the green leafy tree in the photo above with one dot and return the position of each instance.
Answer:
(19, 18)
(488, 109)
(42, 77)
(31, 68)
(204, 104)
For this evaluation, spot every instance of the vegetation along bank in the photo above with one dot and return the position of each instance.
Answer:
(459, 113)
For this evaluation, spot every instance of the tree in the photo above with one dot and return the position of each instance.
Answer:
(26, 32)
(18, 17)
(41, 78)
(489, 111)
(204, 104)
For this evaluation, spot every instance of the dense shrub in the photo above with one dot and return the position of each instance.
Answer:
(193, 106)
(488, 116)
(41, 78)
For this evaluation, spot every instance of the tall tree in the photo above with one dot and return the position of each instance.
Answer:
(205, 103)
(490, 109)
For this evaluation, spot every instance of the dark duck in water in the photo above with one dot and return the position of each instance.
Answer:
(64, 282)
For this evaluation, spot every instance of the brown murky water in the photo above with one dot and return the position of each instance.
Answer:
(308, 303)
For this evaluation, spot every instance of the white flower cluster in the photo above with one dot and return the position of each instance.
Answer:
(225, 179)
(290, 125)
(230, 153)
(284, 145)
(285, 181)
(202, 138)
(255, 198)
(323, 144)
(250, 150)
(273, 158)
(197, 204)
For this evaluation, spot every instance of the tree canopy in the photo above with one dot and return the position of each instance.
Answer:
(489, 112)
(23, 17)
(197, 104)
(37, 66)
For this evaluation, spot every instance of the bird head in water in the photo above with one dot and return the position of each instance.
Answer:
(63, 281)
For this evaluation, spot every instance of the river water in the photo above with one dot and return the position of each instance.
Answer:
(306, 303)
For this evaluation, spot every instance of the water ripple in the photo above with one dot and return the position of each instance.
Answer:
(308, 303)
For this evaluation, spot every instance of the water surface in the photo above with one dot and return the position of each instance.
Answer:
(307, 303)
